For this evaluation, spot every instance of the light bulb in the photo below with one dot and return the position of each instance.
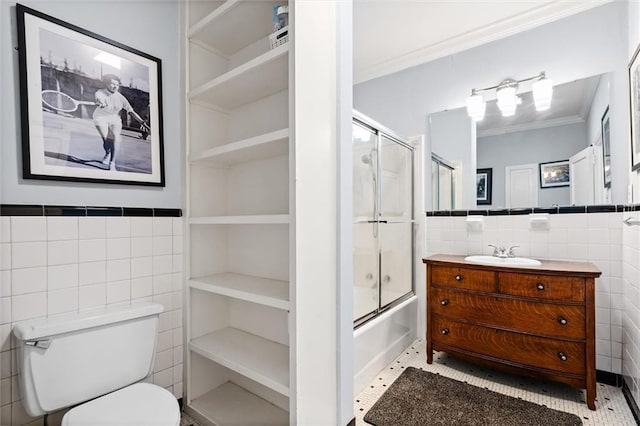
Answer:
(476, 107)
(507, 100)
(542, 93)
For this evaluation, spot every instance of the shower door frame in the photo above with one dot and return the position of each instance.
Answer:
(436, 182)
(379, 130)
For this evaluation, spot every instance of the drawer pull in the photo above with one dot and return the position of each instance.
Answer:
(562, 321)
(444, 302)
(445, 331)
(562, 356)
(458, 277)
(540, 286)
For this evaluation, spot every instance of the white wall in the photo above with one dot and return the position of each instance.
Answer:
(631, 255)
(345, 341)
(579, 46)
(528, 147)
(453, 138)
(152, 27)
(599, 104)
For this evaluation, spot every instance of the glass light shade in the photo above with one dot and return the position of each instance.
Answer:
(507, 101)
(542, 93)
(475, 107)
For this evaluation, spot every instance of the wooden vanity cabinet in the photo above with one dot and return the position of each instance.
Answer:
(537, 321)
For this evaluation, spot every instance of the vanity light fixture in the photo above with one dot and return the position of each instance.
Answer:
(506, 93)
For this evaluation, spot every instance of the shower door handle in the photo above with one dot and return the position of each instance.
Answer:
(400, 221)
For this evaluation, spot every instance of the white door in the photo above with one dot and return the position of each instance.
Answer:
(521, 185)
(582, 172)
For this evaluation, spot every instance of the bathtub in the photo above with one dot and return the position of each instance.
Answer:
(381, 340)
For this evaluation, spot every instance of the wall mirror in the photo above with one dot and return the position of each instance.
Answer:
(527, 152)
(588, 64)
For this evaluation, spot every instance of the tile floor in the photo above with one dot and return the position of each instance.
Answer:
(185, 420)
(611, 406)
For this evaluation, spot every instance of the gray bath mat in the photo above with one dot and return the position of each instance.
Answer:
(420, 398)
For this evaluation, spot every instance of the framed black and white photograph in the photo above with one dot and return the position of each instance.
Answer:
(634, 92)
(554, 174)
(91, 107)
(606, 147)
(483, 186)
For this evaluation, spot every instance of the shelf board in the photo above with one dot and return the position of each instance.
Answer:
(274, 293)
(266, 219)
(229, 404)
(260, 77)
(266, 145)
(234, 25)
(259, 359)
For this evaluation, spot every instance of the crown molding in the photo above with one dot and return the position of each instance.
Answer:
(534, 18)
(531, 126)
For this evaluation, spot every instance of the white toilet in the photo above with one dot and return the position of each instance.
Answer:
(96, 356)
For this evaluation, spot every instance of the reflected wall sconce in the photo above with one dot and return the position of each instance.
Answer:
(508, 100)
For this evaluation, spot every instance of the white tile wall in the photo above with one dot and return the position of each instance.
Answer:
(52, 265)
(629, 332)
(592, 237)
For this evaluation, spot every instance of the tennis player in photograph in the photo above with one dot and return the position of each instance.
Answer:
(106, 117)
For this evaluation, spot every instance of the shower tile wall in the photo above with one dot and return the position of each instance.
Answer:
(592, 237)
(52, 265)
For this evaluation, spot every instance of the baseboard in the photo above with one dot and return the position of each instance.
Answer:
(608, 378)
(631, 402)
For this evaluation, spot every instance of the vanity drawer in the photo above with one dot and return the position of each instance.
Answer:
(514, 314)
(533, 351)
(542, 286)
(472, 279)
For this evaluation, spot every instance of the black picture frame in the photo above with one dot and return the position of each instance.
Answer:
(484, 184)
(605, 126)
(634, 104)
(554, 174)
(75, 124)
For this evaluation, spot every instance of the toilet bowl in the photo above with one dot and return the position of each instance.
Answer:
(97, 359)
(141, 404)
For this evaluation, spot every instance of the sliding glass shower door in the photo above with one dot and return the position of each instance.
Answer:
(383, 222)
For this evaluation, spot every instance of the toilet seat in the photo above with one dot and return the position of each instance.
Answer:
(141, 404)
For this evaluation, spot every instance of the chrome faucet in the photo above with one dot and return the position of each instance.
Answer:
(503, 252)
(511, 253)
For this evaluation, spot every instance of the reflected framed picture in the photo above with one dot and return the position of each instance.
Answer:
(91, 108)
(634, 92)
(606, 147)
(483, 186)
(554, 174)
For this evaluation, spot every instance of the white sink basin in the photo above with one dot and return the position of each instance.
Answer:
(504, 261)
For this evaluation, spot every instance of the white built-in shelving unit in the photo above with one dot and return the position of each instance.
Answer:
(238, 357)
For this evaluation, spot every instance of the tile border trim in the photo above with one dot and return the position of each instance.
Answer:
(633, 406)
(602, 208)
(54, 210)
(609, 378)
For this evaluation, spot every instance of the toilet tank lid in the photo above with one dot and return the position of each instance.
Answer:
(66, 323)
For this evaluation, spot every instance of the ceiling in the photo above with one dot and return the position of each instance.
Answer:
(570, 104)
(392, 35)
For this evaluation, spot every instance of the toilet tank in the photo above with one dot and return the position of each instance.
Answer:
(70, 359)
